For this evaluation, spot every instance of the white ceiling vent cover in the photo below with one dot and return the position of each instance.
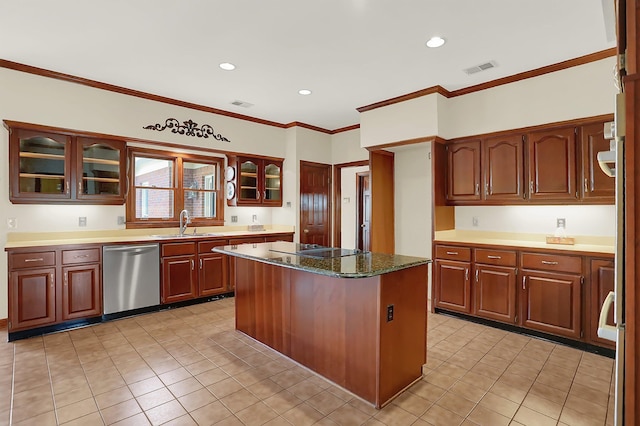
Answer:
(481, 67)
(242, 104)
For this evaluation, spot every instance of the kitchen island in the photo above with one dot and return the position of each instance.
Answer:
(356, 318)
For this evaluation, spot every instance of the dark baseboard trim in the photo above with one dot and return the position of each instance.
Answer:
(587, 347)
(69, 325)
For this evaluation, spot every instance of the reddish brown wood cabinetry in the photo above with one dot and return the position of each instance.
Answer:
(212, 269)
(596, 186)
(52, 286)
(452, 272)
(50, 165)
(179, 274)
(602, 281)
(503, 168)
(254, 181)
(494, 287)
(552, 164)
(463, 171)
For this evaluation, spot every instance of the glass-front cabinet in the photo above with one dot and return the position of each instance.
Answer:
(254, 181)
(51, 166)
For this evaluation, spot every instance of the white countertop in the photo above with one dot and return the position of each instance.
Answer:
(587, 244)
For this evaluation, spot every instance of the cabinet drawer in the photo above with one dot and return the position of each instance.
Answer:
(495, 257)
(178, 249)
(453, 253)
(206, 246)
(80, 256)
(32, 260)
(552, 262)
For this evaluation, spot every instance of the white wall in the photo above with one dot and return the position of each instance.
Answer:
(345, 147)
(349, 205)
(581, 220)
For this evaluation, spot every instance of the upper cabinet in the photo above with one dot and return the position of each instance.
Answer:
(51, 166)
(463, 177)
(554, 165)
(254, 181)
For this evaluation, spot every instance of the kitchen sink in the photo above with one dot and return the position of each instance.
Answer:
(186, 235)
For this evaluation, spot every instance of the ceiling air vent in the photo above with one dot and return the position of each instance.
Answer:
(481, 67)
(242, 104)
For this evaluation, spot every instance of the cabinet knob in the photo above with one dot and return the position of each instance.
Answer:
(466, 274)
(200, 263)
(80, 187)
(493, 257)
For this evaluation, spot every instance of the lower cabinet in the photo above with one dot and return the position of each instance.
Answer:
(49, 287)
(494, 290)
(213, 276)
(453, 285)
(602, 278)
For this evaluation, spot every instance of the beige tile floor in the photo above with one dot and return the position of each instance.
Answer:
(188, 366)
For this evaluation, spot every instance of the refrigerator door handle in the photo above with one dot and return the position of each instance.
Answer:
(605, 331)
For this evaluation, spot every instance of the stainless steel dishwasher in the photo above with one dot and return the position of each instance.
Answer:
(130, 277)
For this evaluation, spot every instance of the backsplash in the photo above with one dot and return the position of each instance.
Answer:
(595, 220)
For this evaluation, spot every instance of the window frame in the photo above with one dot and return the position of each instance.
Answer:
(179, 191)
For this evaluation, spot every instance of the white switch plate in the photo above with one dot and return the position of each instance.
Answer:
(474, 220)
(561, 222)
(82, 221)
(12, 223)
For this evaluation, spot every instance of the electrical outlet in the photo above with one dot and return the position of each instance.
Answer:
(82, 221)
(12, 223)
(389, 313)
(561, 222)
(121, 220)
(474, 221)
(254, 217)
(288, 203)
(234, 218)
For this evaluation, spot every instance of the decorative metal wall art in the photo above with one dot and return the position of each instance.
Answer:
(188, 128)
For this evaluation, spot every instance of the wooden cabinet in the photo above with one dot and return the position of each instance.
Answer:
(596, 186)
(602, 281)
(551, 295)
(503, 168)
(494, 288)
(453, 285)
(49, 165)
(552, 164)
(213, 274)
(463, 171)
(254, 181)
(53, 286)
(179, 274)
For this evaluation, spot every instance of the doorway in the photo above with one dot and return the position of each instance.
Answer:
(315, 203)
(363, 219)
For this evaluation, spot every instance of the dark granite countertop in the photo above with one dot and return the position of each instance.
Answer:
(336, 262)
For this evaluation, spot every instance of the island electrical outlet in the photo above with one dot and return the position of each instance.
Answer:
(389, 313)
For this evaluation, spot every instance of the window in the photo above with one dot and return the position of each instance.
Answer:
(164, 183)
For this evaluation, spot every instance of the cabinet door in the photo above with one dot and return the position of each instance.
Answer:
(248, 189)
(453, 285)
(40, 166)
(494, 293)
(32, 298)
(212, 274)
(179, 277)
(81, 295)
(503, 168)
(272, 183)
(602, 281)
(463, 176)
(552, 164)
(100, 171)
(551, 303)
(596, 186)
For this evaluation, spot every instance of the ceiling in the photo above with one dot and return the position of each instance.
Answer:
(349, 53)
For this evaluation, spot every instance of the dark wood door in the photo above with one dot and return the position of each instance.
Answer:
(595, 184)
(315, 189)
(551, 303)
(552, 164)
(495, 293)
(453, 285)
(463, 176)
(503, 168)
(33, 298)
(81, 296)
(179, 277)
(363, 222)
(212, 277)
(602, 281)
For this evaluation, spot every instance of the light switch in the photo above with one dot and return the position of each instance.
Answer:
(82, 221)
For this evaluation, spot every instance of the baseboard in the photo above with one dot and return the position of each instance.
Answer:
(3, 323)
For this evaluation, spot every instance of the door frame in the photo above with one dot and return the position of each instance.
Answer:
(360, 209)
(337, 197)
(329, 168)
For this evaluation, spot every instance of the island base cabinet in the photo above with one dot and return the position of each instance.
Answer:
(551, 303)
(495, 293)
(367, 335)
(33, 299)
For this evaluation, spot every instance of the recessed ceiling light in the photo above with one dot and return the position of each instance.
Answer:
(435, 41)
(227, 66)
(304, 91)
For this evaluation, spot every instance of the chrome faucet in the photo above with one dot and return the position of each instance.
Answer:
(184, 221)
